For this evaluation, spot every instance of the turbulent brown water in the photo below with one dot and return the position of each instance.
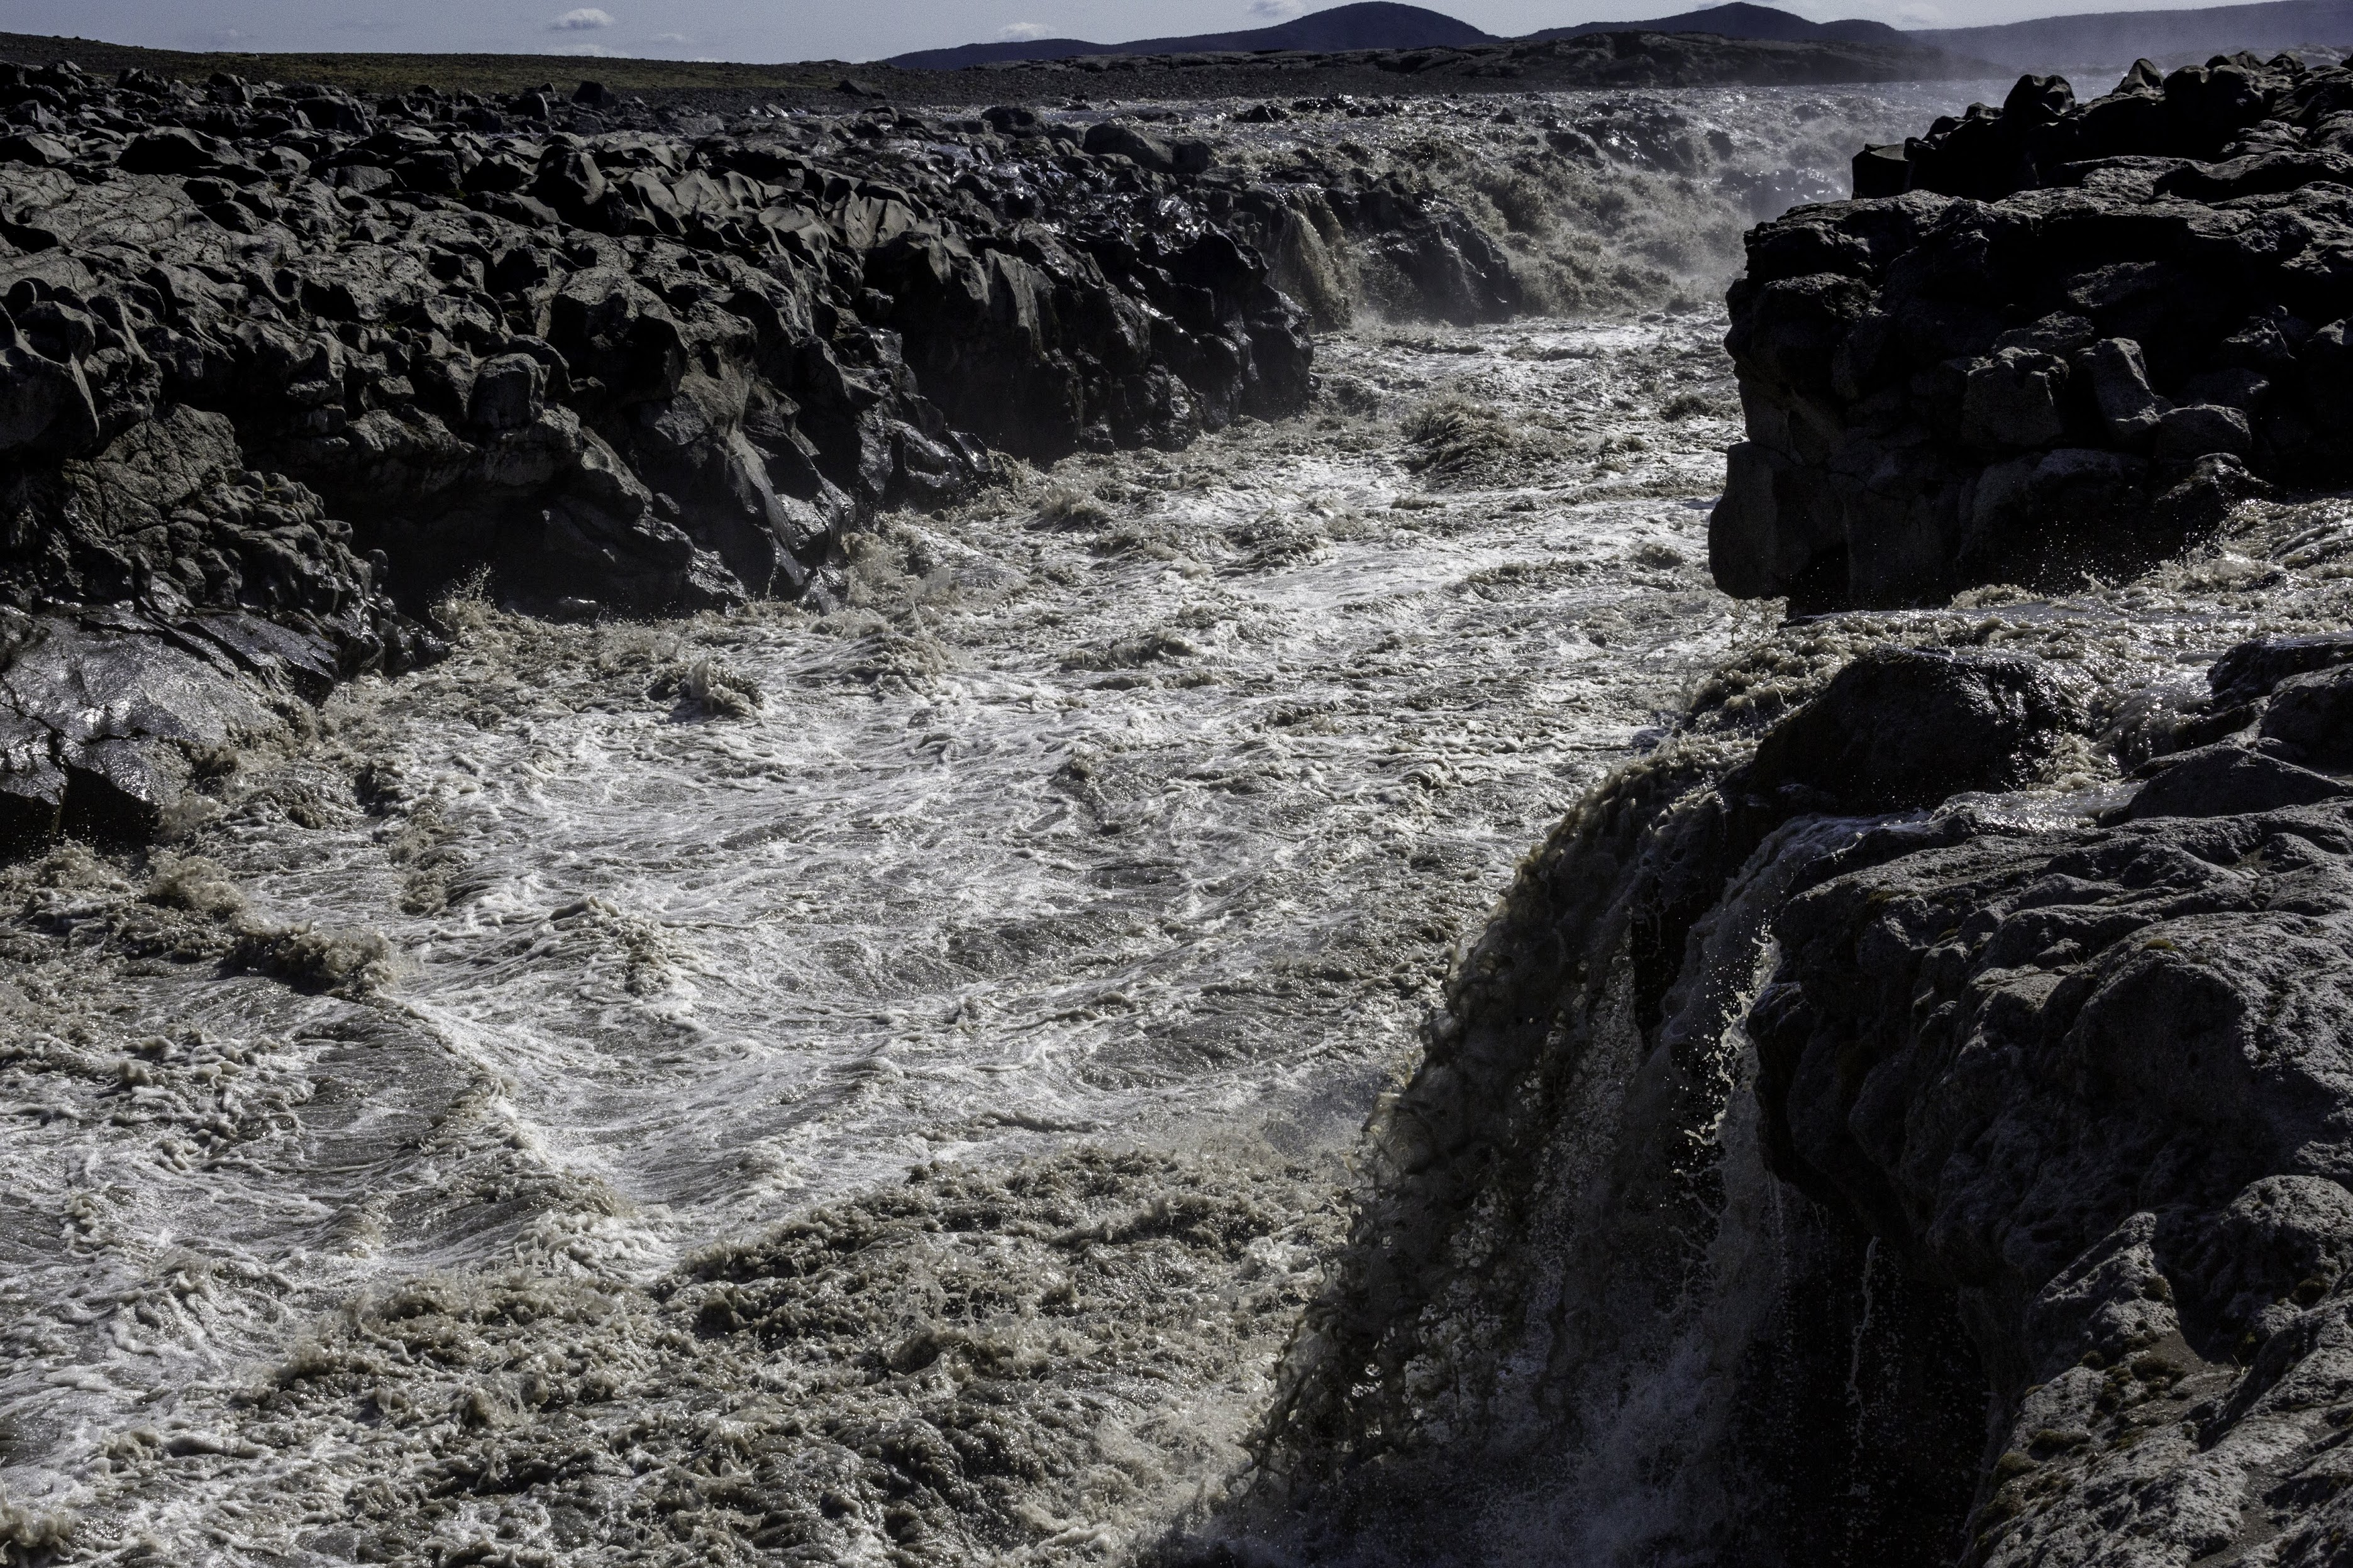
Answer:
(868, 1086)
(1136, 809)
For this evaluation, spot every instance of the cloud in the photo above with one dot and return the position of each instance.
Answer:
(586, 51)
(1277, 10)
(671, 38)
(586, 19)
(1022, 32)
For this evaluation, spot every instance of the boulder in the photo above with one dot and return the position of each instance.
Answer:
(1902, 728)
(1114, 138)
(2230, 780)
(2252, 670)
(2311, 716)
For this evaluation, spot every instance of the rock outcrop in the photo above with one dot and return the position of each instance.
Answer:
(650, 368)
(272, 356)
(2054, 339)
(2097, 1084)
(2069, 1104)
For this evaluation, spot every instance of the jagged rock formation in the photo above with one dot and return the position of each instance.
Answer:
(273, 357)
(2084, 1091)
(2055, 338)
(631, 367)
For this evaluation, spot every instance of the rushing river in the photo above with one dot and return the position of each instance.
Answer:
(872, 1083)
(1136, 807)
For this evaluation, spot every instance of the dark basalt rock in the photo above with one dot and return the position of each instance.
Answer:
(2094, 1083)
(2253, 670)
(2054, 339)
(2311, 717)
(2230, 780)
(106, 715)
(268, 351)
(1904, 728)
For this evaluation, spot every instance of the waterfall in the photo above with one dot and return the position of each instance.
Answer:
(1616, 1336)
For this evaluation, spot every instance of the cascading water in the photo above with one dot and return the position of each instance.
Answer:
(1135, 808)
(874, 1085)
(1629, 1313)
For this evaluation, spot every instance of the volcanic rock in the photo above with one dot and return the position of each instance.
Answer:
(2063, 339)
(269, 352)
(2230, 780)
(1901, 728)
(2095, 1085)
(2312, 717)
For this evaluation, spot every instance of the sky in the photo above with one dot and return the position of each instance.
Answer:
(778, 30)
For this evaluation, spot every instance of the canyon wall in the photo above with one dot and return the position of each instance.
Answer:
(2058, 340)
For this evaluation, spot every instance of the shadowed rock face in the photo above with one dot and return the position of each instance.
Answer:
(1904, 728)
(2060, 339)
(2097, 1087)
(1553, 1185)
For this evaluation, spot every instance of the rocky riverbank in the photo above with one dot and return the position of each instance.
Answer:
(283, 363)
(2061, 341)
(287, 363)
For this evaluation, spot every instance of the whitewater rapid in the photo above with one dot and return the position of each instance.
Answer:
(1136, 806)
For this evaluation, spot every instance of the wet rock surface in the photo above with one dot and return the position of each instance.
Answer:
(2095, 1084)
(2056, 339)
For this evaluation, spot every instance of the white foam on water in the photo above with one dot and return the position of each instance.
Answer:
(1141, 805)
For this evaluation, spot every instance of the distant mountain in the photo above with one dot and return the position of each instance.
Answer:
(1375, 25)
(1745, 21)
(2120, 37)
(2050, 42)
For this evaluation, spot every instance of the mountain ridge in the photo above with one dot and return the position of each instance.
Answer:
(1370, 23)
(2043, 43)
(1741, 20)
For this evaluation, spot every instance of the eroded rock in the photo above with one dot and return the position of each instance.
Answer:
(2064, 341)
(270, 350)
